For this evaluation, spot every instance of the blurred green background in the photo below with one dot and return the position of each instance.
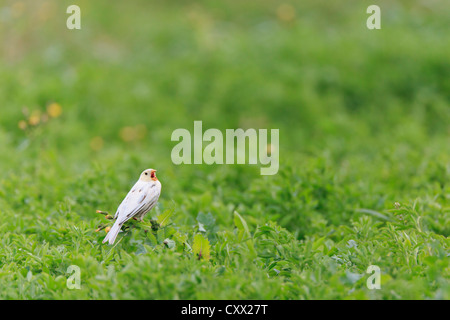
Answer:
(363, 115)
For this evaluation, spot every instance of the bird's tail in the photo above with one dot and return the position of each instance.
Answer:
(112, 234)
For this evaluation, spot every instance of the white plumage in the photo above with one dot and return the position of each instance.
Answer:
(142, 197)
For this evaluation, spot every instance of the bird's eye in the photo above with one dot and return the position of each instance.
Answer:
(146, 173)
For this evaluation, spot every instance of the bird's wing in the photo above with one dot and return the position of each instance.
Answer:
(150, 201)
(140, 198)
(126, 200)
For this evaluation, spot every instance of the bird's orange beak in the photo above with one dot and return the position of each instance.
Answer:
(153, 175)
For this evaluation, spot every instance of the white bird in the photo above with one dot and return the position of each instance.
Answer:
(142, 197)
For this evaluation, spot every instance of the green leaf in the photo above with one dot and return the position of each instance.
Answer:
(201, 247)
(29, 276)
(206, 219)
(169, 243)
(152, 238)
(164, 218)
(244, 232)
(201, 227)
(160, 235)
(374, 213)
(240, 223)
(182, 239)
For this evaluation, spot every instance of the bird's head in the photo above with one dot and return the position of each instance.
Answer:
(148, 175)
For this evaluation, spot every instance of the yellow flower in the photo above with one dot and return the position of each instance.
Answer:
(127, 134)
(35, 118)
(22, 125)
(54, 110)
(286, 12)
(17, 8)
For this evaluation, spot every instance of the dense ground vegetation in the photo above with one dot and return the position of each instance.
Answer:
(364, 149)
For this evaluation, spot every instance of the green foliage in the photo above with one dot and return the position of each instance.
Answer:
(201, 247)
(364, 153)
(164, 218)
